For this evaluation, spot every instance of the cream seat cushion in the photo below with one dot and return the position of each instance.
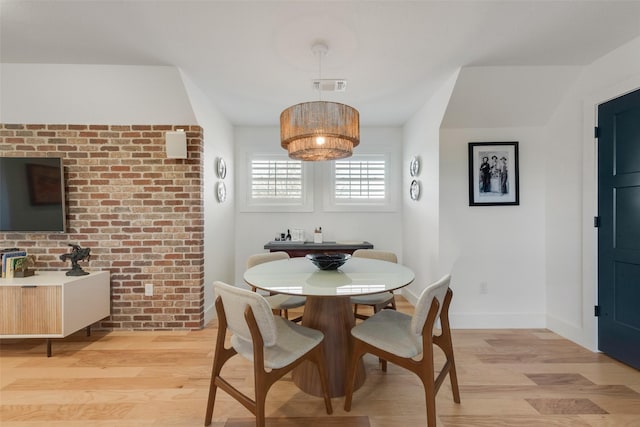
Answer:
(293, 342)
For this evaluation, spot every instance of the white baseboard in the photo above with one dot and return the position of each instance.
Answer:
(574, 333)
(497, 320)
(209, 314)
(488, 320)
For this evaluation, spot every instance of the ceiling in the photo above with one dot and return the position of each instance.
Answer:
(253, 58)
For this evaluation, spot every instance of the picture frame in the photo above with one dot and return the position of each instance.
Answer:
(494, 174)
(44, 184)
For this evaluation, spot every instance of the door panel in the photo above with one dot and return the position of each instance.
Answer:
(626, 218)
(626, 275)
(627, 129)
(619, 232)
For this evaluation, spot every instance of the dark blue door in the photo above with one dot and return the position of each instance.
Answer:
(619, 232)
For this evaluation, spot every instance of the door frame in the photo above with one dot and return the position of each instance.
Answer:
(590, 204)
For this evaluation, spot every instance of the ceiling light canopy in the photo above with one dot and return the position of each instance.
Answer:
(319, 130)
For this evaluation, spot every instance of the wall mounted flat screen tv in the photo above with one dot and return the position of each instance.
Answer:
(32, 194)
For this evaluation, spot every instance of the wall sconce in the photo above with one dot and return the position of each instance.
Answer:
(176, 144)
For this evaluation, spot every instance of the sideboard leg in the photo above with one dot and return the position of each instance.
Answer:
(48, 347)
(89, 330)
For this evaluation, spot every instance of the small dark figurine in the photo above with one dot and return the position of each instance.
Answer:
(76, 254)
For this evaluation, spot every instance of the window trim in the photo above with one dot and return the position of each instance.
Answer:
(387, 204)
(249, 204)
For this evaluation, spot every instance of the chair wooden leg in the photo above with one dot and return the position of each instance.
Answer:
(453, 376)
(431, 405)
(445, 343)
(357, 351)
(318, 357)
(261, 398)
(212, 398)
(220, 357)
(427, 376)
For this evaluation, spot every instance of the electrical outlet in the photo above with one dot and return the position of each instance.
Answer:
(484, 288)
(148, 289)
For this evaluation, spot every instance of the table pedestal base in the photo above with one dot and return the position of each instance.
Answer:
(334, 317)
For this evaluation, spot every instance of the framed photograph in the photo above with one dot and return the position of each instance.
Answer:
(493, 174)
(44, 184)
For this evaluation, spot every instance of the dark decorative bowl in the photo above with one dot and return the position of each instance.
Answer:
(328, 261)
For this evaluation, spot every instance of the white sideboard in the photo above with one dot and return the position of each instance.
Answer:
(50, 304)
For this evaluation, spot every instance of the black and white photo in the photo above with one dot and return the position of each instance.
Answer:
(493, 173)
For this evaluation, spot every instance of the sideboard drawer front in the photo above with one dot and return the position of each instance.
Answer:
(31, 310)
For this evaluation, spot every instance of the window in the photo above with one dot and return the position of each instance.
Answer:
(360, 183)
(274, 183)
(276, 179)
(360, 179)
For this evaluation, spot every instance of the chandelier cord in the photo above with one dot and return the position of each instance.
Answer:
(319, 52)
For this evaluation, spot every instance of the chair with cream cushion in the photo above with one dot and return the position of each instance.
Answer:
(278, 302)
(274, 345)
(407, 341)
(380, 300)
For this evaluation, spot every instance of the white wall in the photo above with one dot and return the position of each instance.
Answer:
(253, 230)
(501, 96)
(571, 196)
(97, 94)
(421, 218)
(219, 218)
(500, 245)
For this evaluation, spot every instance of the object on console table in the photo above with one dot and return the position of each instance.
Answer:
(302, 249)
(76, 254)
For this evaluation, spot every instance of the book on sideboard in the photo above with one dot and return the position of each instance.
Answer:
(7, 262)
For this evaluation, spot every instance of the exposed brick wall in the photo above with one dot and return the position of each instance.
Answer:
(139, 212)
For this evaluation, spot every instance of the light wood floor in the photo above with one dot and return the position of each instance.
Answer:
(507, 378)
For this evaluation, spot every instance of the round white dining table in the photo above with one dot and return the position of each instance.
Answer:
(328, 307)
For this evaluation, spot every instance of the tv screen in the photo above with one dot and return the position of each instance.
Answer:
(32, 194)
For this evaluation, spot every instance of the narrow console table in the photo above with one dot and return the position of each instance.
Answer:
(300, 249)
(50, 304)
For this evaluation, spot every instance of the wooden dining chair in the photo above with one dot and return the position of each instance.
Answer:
(380, 300)
(279, 302)
(274, 344)
(400, 338)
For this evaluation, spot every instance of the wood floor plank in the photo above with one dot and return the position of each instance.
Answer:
(515, 421)
(508, 378)
(615, 420)
(565, 406)
(559, 379)
(302, 422)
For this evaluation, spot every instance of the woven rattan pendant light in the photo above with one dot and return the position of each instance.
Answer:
(319, 130)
